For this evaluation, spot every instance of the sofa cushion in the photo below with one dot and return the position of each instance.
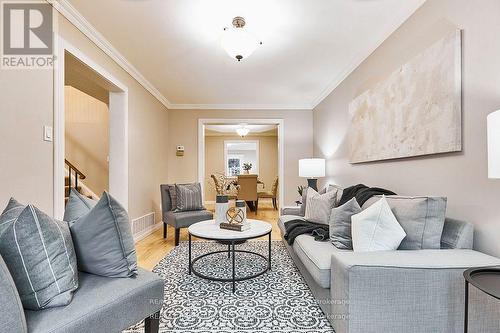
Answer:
(103, 240)
(39, 254)
(102, 304)
(185, 219)
(376, 229)
(12, 318)
(422, 218)
(316, 258)
(314, 255)
(77, 206)
(340, 224)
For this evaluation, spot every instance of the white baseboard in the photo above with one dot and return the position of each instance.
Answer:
(148, 231)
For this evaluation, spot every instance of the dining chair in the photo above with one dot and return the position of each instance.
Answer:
(270, 194)
(248, 190)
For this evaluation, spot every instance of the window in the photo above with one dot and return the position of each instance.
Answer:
(238, 153)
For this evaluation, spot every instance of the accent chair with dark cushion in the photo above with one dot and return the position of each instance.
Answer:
(178, 219)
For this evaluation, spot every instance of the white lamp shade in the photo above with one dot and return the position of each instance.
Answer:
(312, 167)
(238, 42)
(493, 121)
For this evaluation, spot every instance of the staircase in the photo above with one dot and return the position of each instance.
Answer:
(71, 181)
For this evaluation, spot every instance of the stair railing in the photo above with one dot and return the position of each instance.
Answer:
(78, 173)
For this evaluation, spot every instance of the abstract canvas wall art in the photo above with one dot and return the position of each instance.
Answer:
(415, 111)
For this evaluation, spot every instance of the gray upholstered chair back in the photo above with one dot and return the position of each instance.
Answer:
(457, 235)
(166, 202)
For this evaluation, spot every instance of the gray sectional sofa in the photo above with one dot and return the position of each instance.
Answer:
(396, 291)
(100, 304)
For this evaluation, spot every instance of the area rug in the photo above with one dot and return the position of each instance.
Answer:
(277, 301)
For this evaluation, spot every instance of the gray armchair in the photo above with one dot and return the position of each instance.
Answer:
(178, 220)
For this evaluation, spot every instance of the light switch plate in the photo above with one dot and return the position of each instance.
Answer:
(48, 134)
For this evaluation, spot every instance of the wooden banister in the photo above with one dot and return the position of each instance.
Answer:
(78, 173)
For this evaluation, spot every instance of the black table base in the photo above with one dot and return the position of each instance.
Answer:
(487, 280)
(231, 254)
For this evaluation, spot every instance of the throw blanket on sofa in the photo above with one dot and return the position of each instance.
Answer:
(321, 232)
(362, 193)
(294, 228)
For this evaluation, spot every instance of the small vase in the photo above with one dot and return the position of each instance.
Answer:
(241, 205)
(221, 207)
(246, 172)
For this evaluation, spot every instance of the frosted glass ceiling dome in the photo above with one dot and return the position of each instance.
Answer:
(238, 43)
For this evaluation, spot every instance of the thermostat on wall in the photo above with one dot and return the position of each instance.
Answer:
(180, 151)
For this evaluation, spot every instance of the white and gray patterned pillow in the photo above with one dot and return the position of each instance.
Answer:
(39, 253)
(319, 206)
(188, 197)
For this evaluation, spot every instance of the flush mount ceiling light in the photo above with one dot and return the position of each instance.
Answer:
(237, 42)
(242, 131)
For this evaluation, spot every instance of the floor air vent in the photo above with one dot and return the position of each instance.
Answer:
(143, 226)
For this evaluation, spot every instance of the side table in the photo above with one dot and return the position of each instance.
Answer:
(486, 279)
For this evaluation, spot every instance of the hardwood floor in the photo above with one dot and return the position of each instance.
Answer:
(153, 248)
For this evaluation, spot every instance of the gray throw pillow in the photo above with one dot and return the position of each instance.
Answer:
(340, 224)
(103, 240)
(188, 197)
(319, 206)
(422, 218)
(10, 213)
(39, 254)
(77, 206)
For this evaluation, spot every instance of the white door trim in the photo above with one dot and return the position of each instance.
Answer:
(118, 145)
(281, 144)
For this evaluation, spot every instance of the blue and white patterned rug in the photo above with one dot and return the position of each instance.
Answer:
(277, 301)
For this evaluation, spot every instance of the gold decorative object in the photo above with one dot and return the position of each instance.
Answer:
(235, 215)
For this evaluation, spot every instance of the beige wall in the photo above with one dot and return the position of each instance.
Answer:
(25, 159)
(26, 171)
(462, 177)
(214, 160)
(183, 130)
(87, 137)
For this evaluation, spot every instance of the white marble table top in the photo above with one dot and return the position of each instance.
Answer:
(209, 229)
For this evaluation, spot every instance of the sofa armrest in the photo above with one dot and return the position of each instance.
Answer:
(12, 317)
(457, 235)
(291, 211)
(405, 291)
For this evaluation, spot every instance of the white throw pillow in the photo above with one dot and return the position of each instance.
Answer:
(319, 206)
(376, 229)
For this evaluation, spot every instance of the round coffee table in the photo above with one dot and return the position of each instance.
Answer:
(211, 231)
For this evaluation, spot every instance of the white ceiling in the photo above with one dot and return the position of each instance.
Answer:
(308, 46)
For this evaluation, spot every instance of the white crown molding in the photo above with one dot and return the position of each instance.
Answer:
(77, 19)
(362, 56)
(241, 107)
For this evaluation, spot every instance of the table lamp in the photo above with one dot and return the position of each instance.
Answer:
(312, 169)
(493, 121)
